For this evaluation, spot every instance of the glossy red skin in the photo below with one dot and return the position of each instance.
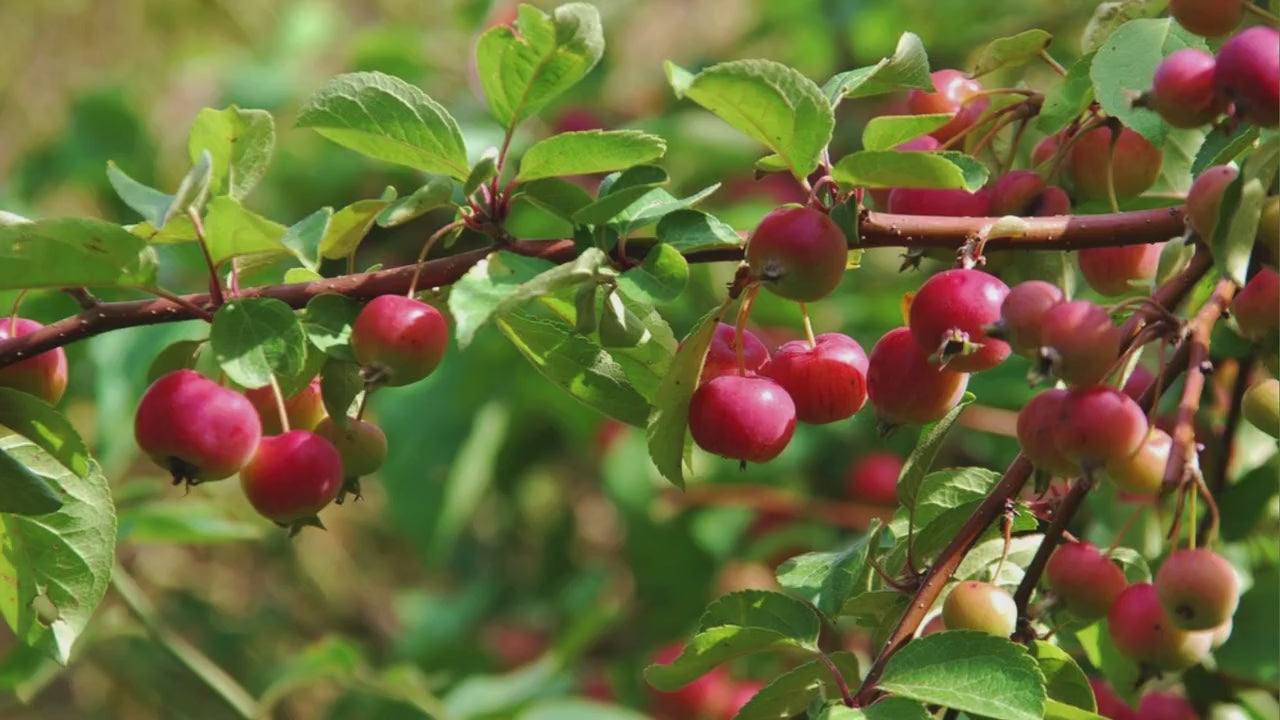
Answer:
(1100, 425)
(195, 428)
(1086, 580)
(1182, 90)
(1142, 473)
(925, 201)
(361, 445)
(1209, 18)
(951, 89)
(980, 606)
(1142, 632)
(292, 476)
(1248, 74)
(1137, 163)
(1084, 338)
(1198, 589)
(1165, 706)
(1204, 198)
(904, 387)
(1053, 201)
(708, 696)
(1109, 703)
(305, 410)
(827, 382)
(1110, 270)
(1256, 308)
(722, 354)
(742, 418)
(924, 143)
(739, 696)
(1022, 313)
(1037, 430)
(873, 479)
(43, 375)
(1016, 192)
(799, 253)
(403, 337)
(965, 300)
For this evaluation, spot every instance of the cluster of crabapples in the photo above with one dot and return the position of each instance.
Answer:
(292, 457)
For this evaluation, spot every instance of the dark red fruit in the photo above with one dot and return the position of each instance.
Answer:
(1198, 589)
(1114, 270)
(1109, 703)
(399, 340)
(305, 410)
(1256, 308)
(924, 201)
(798, 253)
(43, 375)
(706, 696)
(1037, 431)
(742, 418)
(1081, 341)
(1085, 579)
(974, 605)
(949, 315)
(1209, 18)
(924, 143)
(1141, 631)
(904, 387)
(1053, 201)
(1022, 313)
(1165, 706)
(1100, 425)
(1204, 198)
(1135, 163)
(1182, 89)
(195, 428)
(1143, 472)
(952, 88)
(827, 382)
(361, 445)
(722, 355)
(1248, 74)
(1016, 193)
(292, 477)
(874, 479)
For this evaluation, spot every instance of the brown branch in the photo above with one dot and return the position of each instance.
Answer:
(1058, 232)
(1217, 480)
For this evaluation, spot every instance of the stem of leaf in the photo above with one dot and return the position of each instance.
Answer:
(1057, 67)
(845, 695)
(215, 283)
(426, 249)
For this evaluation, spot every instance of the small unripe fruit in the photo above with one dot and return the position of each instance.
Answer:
(952, 88)
(1261, 406)
(1198, 589)
(827, 382)
(1081, 341)
(928, 201)
(1086, 580)
(292, 476)
(798, 253)
(1182, 89)
(1141, 631)
(1269, 229)
(1134, 163)
(742, 418)
(43, 375)
(1248, 74)
(722, 354)
(948, 316)
(399, 340)
(1022, 314)
(1256, 308)
(195, 428)
(974, 605)
(1204, 198)
(1016, 193)
(361, 445)
(1037, 431)
(1143, 472)
(874, 479)
(1209, 18)
(304, 410)
(904, 387)
(1114, 270)
(1100, 425)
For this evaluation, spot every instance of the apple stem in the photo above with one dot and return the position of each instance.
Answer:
(744, 311)
(426, 248)
(279, 398)
(1191, 518)
(808, 326)
(13, 314)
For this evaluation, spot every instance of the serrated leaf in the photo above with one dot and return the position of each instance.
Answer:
(660, 278)
(792, 693)
(902, 168)
(1068, 99)
(907, 68)
(927, 447)
(618, 192)
(386, 118)
(889, 708)
(875, 608)
(476, 296)
(523, 68)
(692, 230)
(1057, 710)
(340, 385)
(256, 338)
(231, 230)
(240, 143)
(1011, 51)
(769, 102)
(1064, 681)
(1220, 148)
(303, 239)
(968, 671)
(942, 490)
(886, 132)
(830, 579)
(349, 226)
(1125, 64)
(147, 201)
(559, 197)
(1232, 242)
(619, 327)
(589, 151)
(327, 322)
(45, 427)
(1111, 15)
(436, 193)
(193, 191)
(668, 423)
(22, 492)
(71, 252)
(179, 355)
(1179, 152)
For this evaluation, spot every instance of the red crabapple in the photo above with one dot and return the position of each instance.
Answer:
(1114, 270)
(739, 696)
(195, 428)
(1134, 163)
(974, 605)
(1138, 382)
(907, 389)
(1209, 18)
(361, 444)
(827, 382)
(1037, 430)
(1141, 631)
(951, 89)
(948, 316)
(873, 479)
(43, 375)
(399, 340)
(1182, 90)
(1109, 703)
(928, 201)
(1248, 74)
(1022, 313)
(747, 418)
(1053, 201)
(1016, 192)
(1080, 341)
(1045, 149)
(799, 253)
(292, 477)
(1198, 589)
(1256, 308)
(305, 409)
(722, 354)
(1204, 198)
(1142, 473)
(1100, 425)
(1165, 706)
(1085, 579)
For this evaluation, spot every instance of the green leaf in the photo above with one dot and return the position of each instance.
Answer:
(1057, 710)
(737, 624)
(940, 491)
(471, 474)
(349, 226)
(791, 693)
(560, 197)
(968, 671)
(303, 238)
(70, 252)
(1068, 99)
(436, 193)
(340, 385)
(890, 708)
(1109, 16)
(660, 278)
(577, 709)
(668, 424)
(60, 562)
(1064, 681)
(618, 192)
(147, 201)
(875, 609)
(907, 68)
(886, 132)
(1232, 243)
(904, 168)
(193, 191)
(476, 296)
(830, 579)
(655, 205)
(1179, 150)
(485, 169)
(769, 102)
(692, 230)
(921, 458)
(386, 118)
(180, 355)
(240, 143)
(523, 68)
(1132, 563)
(1221, 147)
(1011, 51)
(1257, 631)
(47, 428)
(22, 492)
(327, 323)
(231, 230)
(619, 326)
(589, 151)
(1125, 64)
(1121, 673)
(185, 521)
(255, 338)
